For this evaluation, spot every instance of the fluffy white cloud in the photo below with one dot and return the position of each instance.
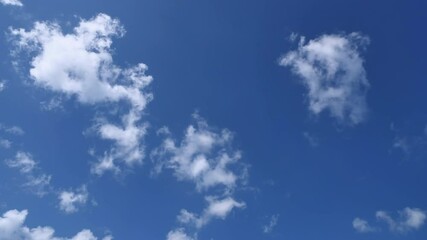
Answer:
(80, 64)
(204, 156)
(37, 183)
(12, 2)
(217, 208)
(12, 227)
(362, 226)
(409, 219)
(178, 234)
(332, 70)
(271, 225)
(69, 201)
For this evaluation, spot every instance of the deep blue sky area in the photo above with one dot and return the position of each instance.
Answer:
(311, 172)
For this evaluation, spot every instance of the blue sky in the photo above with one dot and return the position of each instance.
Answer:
(184, 120)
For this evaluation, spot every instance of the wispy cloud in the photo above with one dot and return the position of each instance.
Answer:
(331, 68)
(36, 182)
(268, 228)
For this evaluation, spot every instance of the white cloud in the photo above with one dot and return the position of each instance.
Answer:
(69, 201)
(2, 85)
(12, 227)
(332, 70)
(271, 225)
(409, 219)
(362, 226)
(311, 139)
(12, 2)
(37, 183)
(217, 208)
(4, 143)
(80, 64)
(14, 130)
(23, 161)
(178, 234)
(204, 157)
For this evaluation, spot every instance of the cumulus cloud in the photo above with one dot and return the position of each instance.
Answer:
(331, 68)
(178, 234)
(409, 219)
(38, 183)
(12, 2)
(12, 227)
(268, 228)
(69, 201)
(362, 226)
(204, 156)
(80, 65)
(217, 208)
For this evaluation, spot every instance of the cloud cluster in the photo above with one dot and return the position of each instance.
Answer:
(12, 227)
(332, 70)
(38, 183)
(408, 219)
(80, 65)
(12, 3)
(206, 158)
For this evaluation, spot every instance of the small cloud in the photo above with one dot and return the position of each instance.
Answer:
(4, 143)
(37, 183)
(204, 156)
(331, 68)
(12, 227)
(271, 225)
(23, 161)
(14, 130)
(52, 104)
(69, 201)
(217, 208)
(2, 85)
(12, 3)
(178, 234)
(409, 219)
(362, 226)
(312, 140)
